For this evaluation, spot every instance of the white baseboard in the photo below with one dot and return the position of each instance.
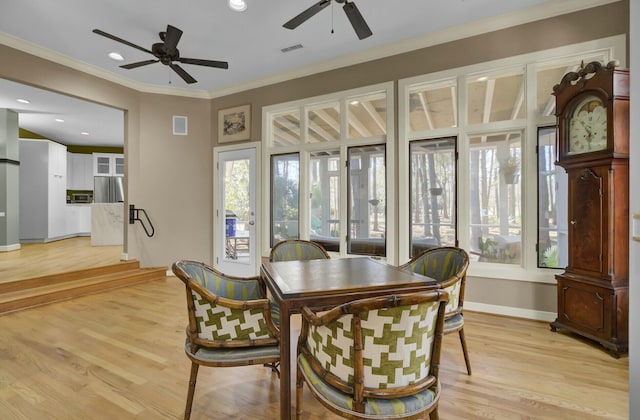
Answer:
(124, 257)
(7, 248)
(510, 311)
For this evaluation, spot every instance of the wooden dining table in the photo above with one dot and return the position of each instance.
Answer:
(323, 284)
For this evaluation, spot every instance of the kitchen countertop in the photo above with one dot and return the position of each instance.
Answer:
(107, 224)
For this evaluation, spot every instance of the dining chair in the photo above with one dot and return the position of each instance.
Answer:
(374, 358)
(231, 321)
(447, 265)
(297, 250)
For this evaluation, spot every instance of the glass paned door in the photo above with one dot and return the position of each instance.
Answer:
(235, 228)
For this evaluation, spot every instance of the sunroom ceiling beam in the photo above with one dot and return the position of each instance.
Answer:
(375, 116)
(425, 109)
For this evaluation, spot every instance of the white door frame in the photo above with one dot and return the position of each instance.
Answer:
(219, 215)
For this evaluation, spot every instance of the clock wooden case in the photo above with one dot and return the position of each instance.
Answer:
(592, 107)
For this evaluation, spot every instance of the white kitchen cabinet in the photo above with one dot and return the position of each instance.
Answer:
(108, 164)
(79, 171)
(43, 187)
(78, 219)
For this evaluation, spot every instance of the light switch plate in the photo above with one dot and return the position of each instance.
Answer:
(635, 226)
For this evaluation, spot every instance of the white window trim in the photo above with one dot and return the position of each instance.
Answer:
(611, 48)
(302, 105)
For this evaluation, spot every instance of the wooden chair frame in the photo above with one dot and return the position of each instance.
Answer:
(460, 275)
(195, 342)
(358, 390)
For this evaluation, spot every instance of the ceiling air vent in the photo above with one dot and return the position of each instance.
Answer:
(291, 48)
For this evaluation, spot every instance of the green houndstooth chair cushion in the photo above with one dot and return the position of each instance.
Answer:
(397, 344)
(216, 322)
(454, 296)
(375, 407)
(298, 251)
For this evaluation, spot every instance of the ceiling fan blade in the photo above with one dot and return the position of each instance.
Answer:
(208, 63)
(185, 76)
(304, 16)
(357, 21)
(172, 38)
(115, 38)
(138, 64)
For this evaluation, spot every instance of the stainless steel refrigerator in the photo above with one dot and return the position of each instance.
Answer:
(108, 189)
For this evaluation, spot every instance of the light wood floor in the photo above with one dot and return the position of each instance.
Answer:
(40, 259)
(119, 355)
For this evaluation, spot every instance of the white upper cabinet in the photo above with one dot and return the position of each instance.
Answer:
(79, 171)
(108, 164)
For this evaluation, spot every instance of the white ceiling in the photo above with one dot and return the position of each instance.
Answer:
(250, 41)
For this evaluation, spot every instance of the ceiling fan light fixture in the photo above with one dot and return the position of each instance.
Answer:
(116, 56)
(237, 5)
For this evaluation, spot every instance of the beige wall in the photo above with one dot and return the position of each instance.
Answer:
(171, 176)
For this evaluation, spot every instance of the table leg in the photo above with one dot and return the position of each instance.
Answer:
(285, 362)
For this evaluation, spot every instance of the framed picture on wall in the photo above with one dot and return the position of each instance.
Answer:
(234, 124)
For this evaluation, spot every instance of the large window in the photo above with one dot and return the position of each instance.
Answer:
(432, 177)
(476, 162)
(495, 208)
(331, 151)
(552, 204)
(367, 200)
(324, 181)
(285, 201)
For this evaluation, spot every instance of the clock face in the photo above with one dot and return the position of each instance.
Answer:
(588, 127)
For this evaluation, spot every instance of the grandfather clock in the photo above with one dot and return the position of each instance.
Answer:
(592, 107)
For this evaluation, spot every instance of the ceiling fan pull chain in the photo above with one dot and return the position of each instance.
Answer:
(331, 17)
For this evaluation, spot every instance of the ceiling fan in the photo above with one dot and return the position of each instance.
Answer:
(350, 9)
(166, 52)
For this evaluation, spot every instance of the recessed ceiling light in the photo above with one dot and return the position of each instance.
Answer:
(483, 79)
(354, 103)
(116, 56)
(23, 101)
(238, 5)
(84, 133)
(59, 120)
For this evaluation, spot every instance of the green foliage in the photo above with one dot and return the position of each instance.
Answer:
(491, 252)
(550, 257)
